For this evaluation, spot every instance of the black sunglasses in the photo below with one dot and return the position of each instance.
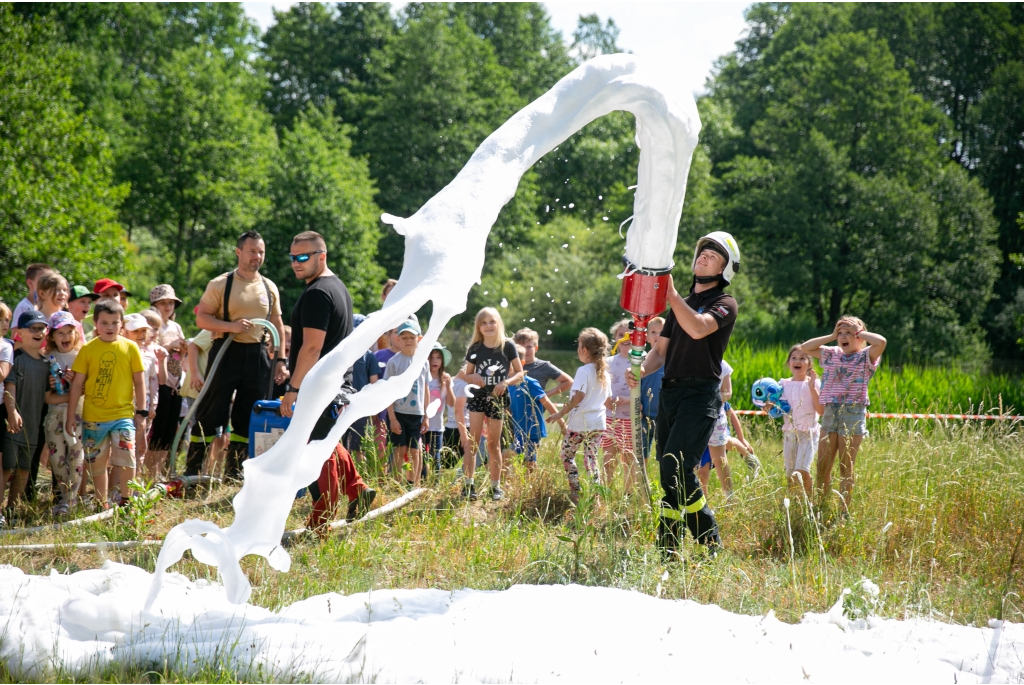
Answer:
(303, 258)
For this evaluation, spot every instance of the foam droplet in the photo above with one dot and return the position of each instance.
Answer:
(565, 245)
(504, 303)
(549, 331)
(471, 390)
(571, 205)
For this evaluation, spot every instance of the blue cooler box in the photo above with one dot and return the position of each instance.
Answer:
(266, 426)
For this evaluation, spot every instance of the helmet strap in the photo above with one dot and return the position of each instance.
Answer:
(707, 279)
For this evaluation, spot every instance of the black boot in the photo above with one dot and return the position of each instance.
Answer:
(704, 528)
(194, 458)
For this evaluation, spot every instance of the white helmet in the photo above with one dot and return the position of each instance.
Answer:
(727, 245)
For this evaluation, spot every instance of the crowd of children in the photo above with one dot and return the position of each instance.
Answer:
(496, 408)
(88, 389)
(101, 393)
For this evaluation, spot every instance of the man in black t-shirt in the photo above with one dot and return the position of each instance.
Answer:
(691, 347)
(321, 318)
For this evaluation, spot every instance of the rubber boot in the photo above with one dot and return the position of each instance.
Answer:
(194, 458)
(237, 453)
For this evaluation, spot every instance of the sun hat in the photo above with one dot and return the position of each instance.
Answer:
(164, 292)
(80, 291)
(61, 319)
(134, 322)
(445, 353)
(107, 284)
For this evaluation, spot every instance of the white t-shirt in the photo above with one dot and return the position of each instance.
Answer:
(151, 376)
(459, 389)
(23, 306)
(802, 416)
(726, 372)
(66, 359)
(588, 415)
(617, 367)
(6, 351)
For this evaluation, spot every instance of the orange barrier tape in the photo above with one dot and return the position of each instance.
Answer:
(939, 417)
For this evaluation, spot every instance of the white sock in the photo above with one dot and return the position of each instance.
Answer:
(495, 483)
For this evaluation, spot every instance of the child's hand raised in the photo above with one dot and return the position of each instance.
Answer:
(812, 375)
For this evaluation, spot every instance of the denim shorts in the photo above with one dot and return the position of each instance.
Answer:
(845, 419)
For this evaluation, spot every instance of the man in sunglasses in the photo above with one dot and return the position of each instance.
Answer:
(321, 319)
(228, 306)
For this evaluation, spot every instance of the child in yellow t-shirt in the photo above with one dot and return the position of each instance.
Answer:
(108, 371)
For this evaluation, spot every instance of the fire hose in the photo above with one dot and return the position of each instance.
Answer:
(209, 376)
(644, 295)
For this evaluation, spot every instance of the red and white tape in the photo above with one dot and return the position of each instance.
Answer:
(938, 417)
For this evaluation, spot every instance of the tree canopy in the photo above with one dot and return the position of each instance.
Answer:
(868, 157)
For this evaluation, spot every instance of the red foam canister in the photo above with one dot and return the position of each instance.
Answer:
(644, 294)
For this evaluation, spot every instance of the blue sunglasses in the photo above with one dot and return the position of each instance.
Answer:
(303, 258)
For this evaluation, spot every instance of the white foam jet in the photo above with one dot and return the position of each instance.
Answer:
(444, 257)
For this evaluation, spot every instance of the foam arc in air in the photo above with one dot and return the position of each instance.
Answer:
(444, 257)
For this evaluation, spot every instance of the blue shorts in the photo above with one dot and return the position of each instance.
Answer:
(705, 459)
(522, 444)
(845, 419)
(120, 434)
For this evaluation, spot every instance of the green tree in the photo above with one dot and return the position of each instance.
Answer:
(1001, 168)
(523, 40)
(848, 201)
(198, 162)
(58, 199)
(440, 92)
(318, 186)
(317, 52)
(592, 38)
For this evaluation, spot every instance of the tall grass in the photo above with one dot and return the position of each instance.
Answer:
(911, 388)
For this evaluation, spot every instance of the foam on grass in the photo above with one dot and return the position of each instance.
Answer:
(82, 623)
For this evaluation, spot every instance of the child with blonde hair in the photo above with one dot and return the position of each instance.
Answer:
(846, 370)
(66, 452)
(585, 409)
(800, 426)
(492, 364)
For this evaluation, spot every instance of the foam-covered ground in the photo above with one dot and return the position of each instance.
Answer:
(524, 634)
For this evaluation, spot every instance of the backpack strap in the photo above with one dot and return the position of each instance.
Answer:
(227, 293)
(270, 297)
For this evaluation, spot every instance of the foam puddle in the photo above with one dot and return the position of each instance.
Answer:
(444, 257)
(559, 633)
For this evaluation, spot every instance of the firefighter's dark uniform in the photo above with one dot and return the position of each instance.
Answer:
(687, 410)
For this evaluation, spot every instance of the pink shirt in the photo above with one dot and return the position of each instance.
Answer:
(844, 377)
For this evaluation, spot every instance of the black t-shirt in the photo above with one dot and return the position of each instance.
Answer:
(689, 358)
(326, 306)
(494, 364)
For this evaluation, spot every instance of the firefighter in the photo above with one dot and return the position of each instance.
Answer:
(691, 346)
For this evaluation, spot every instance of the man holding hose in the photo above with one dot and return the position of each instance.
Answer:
(690, 348)
(228, 306)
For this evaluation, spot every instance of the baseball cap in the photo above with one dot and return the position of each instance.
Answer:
(164, 292)
(134, 322)
(79, 291)
(408, 325)
(107, 284)
(61, 319)
(31, 318)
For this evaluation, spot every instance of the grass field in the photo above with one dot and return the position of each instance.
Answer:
(936, 524)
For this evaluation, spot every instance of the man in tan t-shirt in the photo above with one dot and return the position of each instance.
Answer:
(246, 368)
